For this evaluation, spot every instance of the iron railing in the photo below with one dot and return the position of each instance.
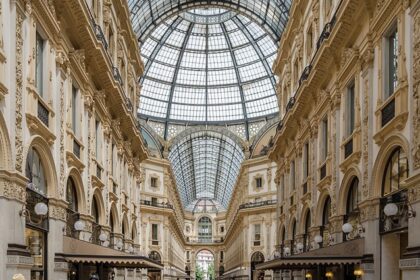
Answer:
(257, 204)
(388, 112)
(156, 204)
(76, 148)
(43, 114)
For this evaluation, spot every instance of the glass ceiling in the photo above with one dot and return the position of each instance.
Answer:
(212, 73)
(272, 15)
(206, 165)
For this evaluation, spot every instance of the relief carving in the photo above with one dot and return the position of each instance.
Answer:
(19, 88)
(416, 91)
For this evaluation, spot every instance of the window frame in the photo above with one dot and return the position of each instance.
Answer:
(390, 41)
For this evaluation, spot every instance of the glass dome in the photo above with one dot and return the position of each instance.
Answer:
(208, 66)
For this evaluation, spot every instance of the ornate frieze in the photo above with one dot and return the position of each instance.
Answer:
(416, 91)
(19, 89)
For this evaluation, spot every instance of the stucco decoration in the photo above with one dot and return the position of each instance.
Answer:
(19, 88)
(416, 91)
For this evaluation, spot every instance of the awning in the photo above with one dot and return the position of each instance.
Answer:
(350, 252)
(78, 251)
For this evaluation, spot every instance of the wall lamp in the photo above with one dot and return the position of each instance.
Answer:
(358, 272)
(391, 209)
(40, 209)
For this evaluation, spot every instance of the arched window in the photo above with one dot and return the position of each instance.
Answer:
(326, 212)
(95, 210)
(153, 255)
(292, 243)
(283, 235)
(111, 221)
(205, 229)
(71, 195)
(221, 270)
(352, 196)
(306, 239)
(134, 233)
(34, 171)
(123, 230)
(396, 171)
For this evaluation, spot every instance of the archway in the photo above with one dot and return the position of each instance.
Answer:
(204, 265)
(256, 259)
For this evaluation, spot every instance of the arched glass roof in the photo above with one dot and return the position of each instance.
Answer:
(208, 65)
(272, 15)
(206, 165)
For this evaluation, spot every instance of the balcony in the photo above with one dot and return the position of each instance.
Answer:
(156, 204)
(258, 204)
(205, 240)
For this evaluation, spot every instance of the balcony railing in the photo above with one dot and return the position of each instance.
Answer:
(156, 204)
(290, 103)
(72, 218)
(258, 204)
(43, 114)
(96, 232)
(305, 74)
(326, 32)
(205, 240)
(116, 74)
(76, 148)
(388, 113)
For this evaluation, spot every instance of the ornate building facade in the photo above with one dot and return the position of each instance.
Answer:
(143, 139)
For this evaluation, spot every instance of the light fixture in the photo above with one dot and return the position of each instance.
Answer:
(390, 209)
(318, 239)
(40, 209)
(79, 225)
(308, 275)
(329, 274)
(103, 237)
(358, 272)
(347, 228)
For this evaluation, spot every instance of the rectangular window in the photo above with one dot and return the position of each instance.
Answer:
(258, 182)
(39, 64)
(153, 182)
(391, 62)
(221, 256)
(257, 232)
(154, 232)
(292, 175)
(222, 229)
(188, 255)
(74, 92)
(97, 139)
(306, 160)
(282, 188)
(324, 140)
(113, 161)
(350, 109)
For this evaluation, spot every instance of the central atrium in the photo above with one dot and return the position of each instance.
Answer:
(216, 139)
